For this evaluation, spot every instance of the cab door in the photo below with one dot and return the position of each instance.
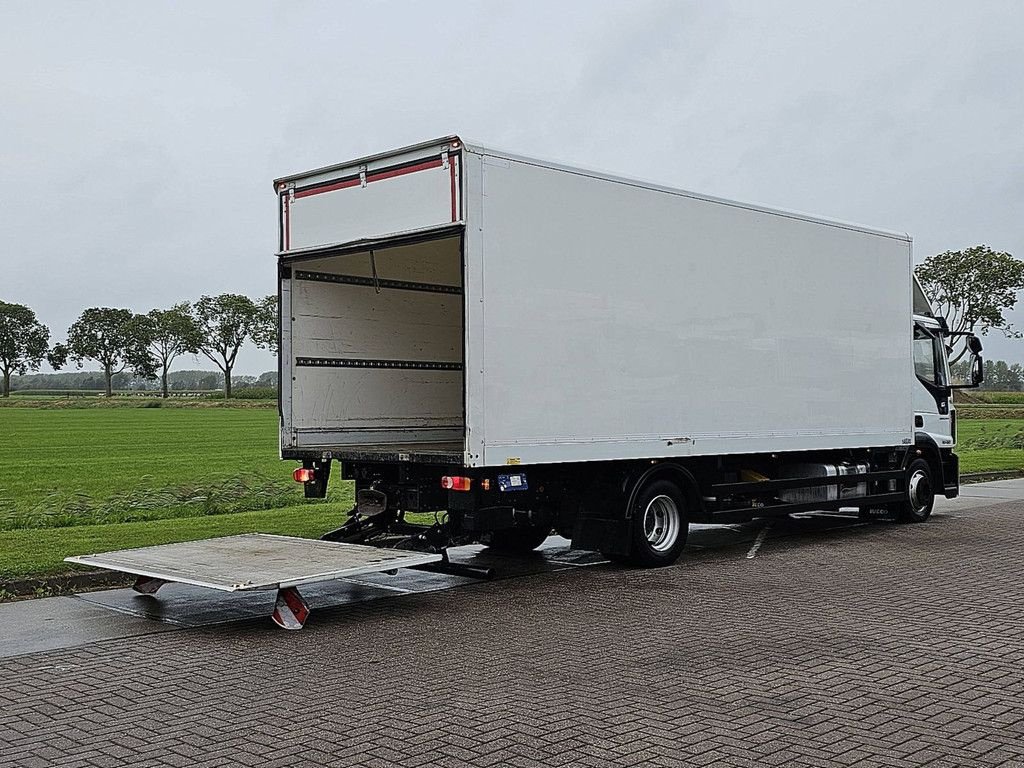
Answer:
(932, 405)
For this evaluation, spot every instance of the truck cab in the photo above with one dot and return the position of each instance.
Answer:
(934, 410)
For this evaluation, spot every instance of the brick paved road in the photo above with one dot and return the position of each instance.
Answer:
(873, 646)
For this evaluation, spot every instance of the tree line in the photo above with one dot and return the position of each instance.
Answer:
(180, 380)
(120, 340)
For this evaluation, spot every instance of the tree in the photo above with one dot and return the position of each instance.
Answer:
(264, 331)
(972, 289)
(24, 342)
(115, 338)
(171, 333)
(225, 322)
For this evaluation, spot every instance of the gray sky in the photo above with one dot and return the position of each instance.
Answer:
(138, 141)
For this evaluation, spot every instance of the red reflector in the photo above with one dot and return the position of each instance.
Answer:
(303, 475)
(456, 483)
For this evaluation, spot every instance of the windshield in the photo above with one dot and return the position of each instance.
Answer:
(930, 358)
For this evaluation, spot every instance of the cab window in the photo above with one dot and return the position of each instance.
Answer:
(929, 358)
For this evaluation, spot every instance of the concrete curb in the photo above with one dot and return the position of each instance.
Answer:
(68, 583)
(986, 477)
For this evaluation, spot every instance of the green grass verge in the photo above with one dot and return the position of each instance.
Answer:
(991, 460)
(981, 434)
(987, 445)
(40, 552)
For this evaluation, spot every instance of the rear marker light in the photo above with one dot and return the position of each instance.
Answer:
(303, 475)
(456, 483)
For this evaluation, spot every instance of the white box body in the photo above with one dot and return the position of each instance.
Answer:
(595, 318)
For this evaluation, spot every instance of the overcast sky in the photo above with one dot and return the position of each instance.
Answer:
(138, 141)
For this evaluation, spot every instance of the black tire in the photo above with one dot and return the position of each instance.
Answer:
(659, 524)
(917, 507)
(521, 538)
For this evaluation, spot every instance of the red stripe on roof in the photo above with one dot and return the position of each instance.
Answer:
(328, 188)
(390, 174)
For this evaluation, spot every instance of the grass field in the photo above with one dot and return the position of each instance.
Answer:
(990, 444)
(102, 451)
(87, 479)
(92, 465)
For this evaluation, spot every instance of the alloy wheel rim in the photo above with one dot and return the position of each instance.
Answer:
(662, 523)
(920, 490)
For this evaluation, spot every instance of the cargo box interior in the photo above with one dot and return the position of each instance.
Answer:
(375, 350)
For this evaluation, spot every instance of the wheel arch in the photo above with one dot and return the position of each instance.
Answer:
(667, 470)
(926, 448)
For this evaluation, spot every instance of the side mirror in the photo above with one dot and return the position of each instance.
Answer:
(977, 368)
(974, 344)
(977, 373)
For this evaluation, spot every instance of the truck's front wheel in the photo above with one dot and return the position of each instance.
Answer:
(659, 524)
(920, 493)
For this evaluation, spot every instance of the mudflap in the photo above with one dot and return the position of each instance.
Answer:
(950, 474)
(317, 487)
(601, 534)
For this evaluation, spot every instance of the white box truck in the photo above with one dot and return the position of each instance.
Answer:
(518, 346)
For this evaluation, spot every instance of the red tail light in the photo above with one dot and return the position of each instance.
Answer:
(456, 483)
(303, 475)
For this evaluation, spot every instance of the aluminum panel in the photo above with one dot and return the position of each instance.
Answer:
(631, 322)
(253, 561)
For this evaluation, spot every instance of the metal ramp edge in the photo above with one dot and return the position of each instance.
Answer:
(254, 561)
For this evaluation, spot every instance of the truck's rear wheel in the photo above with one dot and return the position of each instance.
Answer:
(659, 524)
(917, 507)
(521, 538)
